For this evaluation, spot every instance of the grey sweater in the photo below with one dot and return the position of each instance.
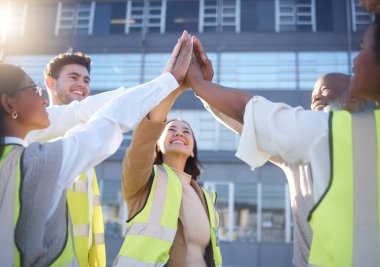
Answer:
(40, 240)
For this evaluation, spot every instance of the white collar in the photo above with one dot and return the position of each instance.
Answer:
(14, 140)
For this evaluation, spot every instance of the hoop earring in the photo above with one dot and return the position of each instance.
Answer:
(14, 115)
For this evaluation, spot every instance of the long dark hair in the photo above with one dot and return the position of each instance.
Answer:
(192, 166)
(11, 77)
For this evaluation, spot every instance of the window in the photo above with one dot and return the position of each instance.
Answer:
(273, 213)
(182, 15)
(146, 16)
(360, 18)
(110, 18)
(273, 71)
(110, 71)
(295, 15)
(33, 65)
(314, 64)
(75, 19)
(252, 212)
(219, 15)
(257, 15)
(15, 17)
(115, 211)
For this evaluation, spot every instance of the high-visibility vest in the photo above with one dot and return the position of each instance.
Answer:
(88, 232)
(151, 232)
(8, 168)
(345, 222)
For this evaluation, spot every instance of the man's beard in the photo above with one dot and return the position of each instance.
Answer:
(338, 104)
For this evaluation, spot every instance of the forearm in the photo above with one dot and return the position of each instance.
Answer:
(160, 112)
(229, 101)
(139, 157)
(65, 117)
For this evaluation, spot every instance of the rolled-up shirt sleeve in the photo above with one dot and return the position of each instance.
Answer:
(276, 129)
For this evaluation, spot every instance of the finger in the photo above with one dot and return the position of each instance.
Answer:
(199, 49)
(175, 52)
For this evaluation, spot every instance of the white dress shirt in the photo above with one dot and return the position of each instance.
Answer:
(295, 135)
(109, 116)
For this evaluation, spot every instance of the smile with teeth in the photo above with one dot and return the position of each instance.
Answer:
(77, 92)
(177, 142)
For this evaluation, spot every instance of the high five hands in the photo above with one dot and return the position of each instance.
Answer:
(188, 62)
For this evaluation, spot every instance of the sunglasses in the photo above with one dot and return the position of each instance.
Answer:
(36, 87)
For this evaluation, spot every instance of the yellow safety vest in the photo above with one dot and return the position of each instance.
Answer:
(345, 222)
(151, 232)
(89, 253)
(67, 256)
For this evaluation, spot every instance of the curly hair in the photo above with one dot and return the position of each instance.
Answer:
(54, 67)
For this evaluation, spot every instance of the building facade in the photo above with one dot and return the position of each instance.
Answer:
(274, 48)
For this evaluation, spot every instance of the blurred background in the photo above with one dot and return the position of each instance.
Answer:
(274, 48)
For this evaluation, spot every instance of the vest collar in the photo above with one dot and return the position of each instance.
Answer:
(14, 140)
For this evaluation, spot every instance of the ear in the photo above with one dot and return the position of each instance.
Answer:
(50, 83)
(7, 104)
(353, 100)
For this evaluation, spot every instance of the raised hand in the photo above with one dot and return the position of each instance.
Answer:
(200, 66)
(179, 60)
(205, 63)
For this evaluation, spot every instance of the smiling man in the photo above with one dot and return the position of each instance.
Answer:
(67, 77)
(331, 94)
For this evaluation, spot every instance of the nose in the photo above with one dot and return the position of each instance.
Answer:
(44, 101)
(178, 133)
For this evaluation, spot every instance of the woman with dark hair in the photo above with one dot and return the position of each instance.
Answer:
(34, 222)
(171, 219)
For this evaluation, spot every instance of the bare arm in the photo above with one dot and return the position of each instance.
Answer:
(227, 100)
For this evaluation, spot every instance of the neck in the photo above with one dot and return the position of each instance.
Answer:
(13, 128)
(176, 162)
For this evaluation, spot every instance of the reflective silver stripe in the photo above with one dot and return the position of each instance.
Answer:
(98, 239)
(7, 205)
(96, 200)
(79, 186)
(128, 262)
(366, 235)
(152, 230)
(81, 229)
(159, 197)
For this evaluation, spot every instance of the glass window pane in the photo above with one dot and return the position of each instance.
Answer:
(182, 15)
(112, 205)
(110, 71)
(314, 64)
(273, 213)
(257, 15)
(270, 71)
(246, 212)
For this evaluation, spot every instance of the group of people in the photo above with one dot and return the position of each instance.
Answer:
(50, 206)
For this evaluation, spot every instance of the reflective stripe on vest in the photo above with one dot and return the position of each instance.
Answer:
(97, 254)
(345, 222)
(88, 239)
(210, 200)
(10, 172)
(9, 204)
(151, 232)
